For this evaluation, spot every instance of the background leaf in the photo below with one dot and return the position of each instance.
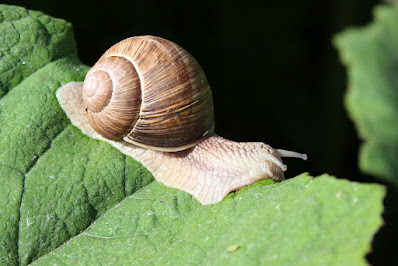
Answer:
(57, 183)
(371, 57)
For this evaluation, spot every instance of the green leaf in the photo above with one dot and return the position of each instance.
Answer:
(371, 56)
(80, 200)
(301, 221)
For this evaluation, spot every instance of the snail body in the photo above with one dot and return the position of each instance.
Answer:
(150, 99)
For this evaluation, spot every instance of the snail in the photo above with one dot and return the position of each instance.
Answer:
(150, 99)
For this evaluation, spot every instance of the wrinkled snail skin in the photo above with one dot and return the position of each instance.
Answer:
(172, 93)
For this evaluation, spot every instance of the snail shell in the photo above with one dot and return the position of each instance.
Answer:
(153, 94)
(150, 92)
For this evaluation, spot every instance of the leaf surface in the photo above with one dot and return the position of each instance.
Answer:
(301, 221)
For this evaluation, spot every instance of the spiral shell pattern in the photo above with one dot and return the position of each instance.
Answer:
(150, 92)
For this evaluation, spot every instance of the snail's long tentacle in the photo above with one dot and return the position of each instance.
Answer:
(293, 154)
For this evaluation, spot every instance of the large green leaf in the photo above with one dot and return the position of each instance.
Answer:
(371, 57)
(61, 188)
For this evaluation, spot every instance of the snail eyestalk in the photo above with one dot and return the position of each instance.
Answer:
(270, 157)
(291, 154)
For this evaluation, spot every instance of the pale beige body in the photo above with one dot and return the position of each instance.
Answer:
(208, 171)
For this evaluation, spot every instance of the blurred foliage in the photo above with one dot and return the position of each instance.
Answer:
(371, 56)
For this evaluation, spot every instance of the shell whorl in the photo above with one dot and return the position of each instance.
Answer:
(112, 97)
(150, 92)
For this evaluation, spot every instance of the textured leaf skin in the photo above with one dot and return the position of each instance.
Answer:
(29, 116)
(29, 41)
(56, 183)
(371, 57)
(301, 221)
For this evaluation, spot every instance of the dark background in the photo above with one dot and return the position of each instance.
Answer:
(274, 72)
